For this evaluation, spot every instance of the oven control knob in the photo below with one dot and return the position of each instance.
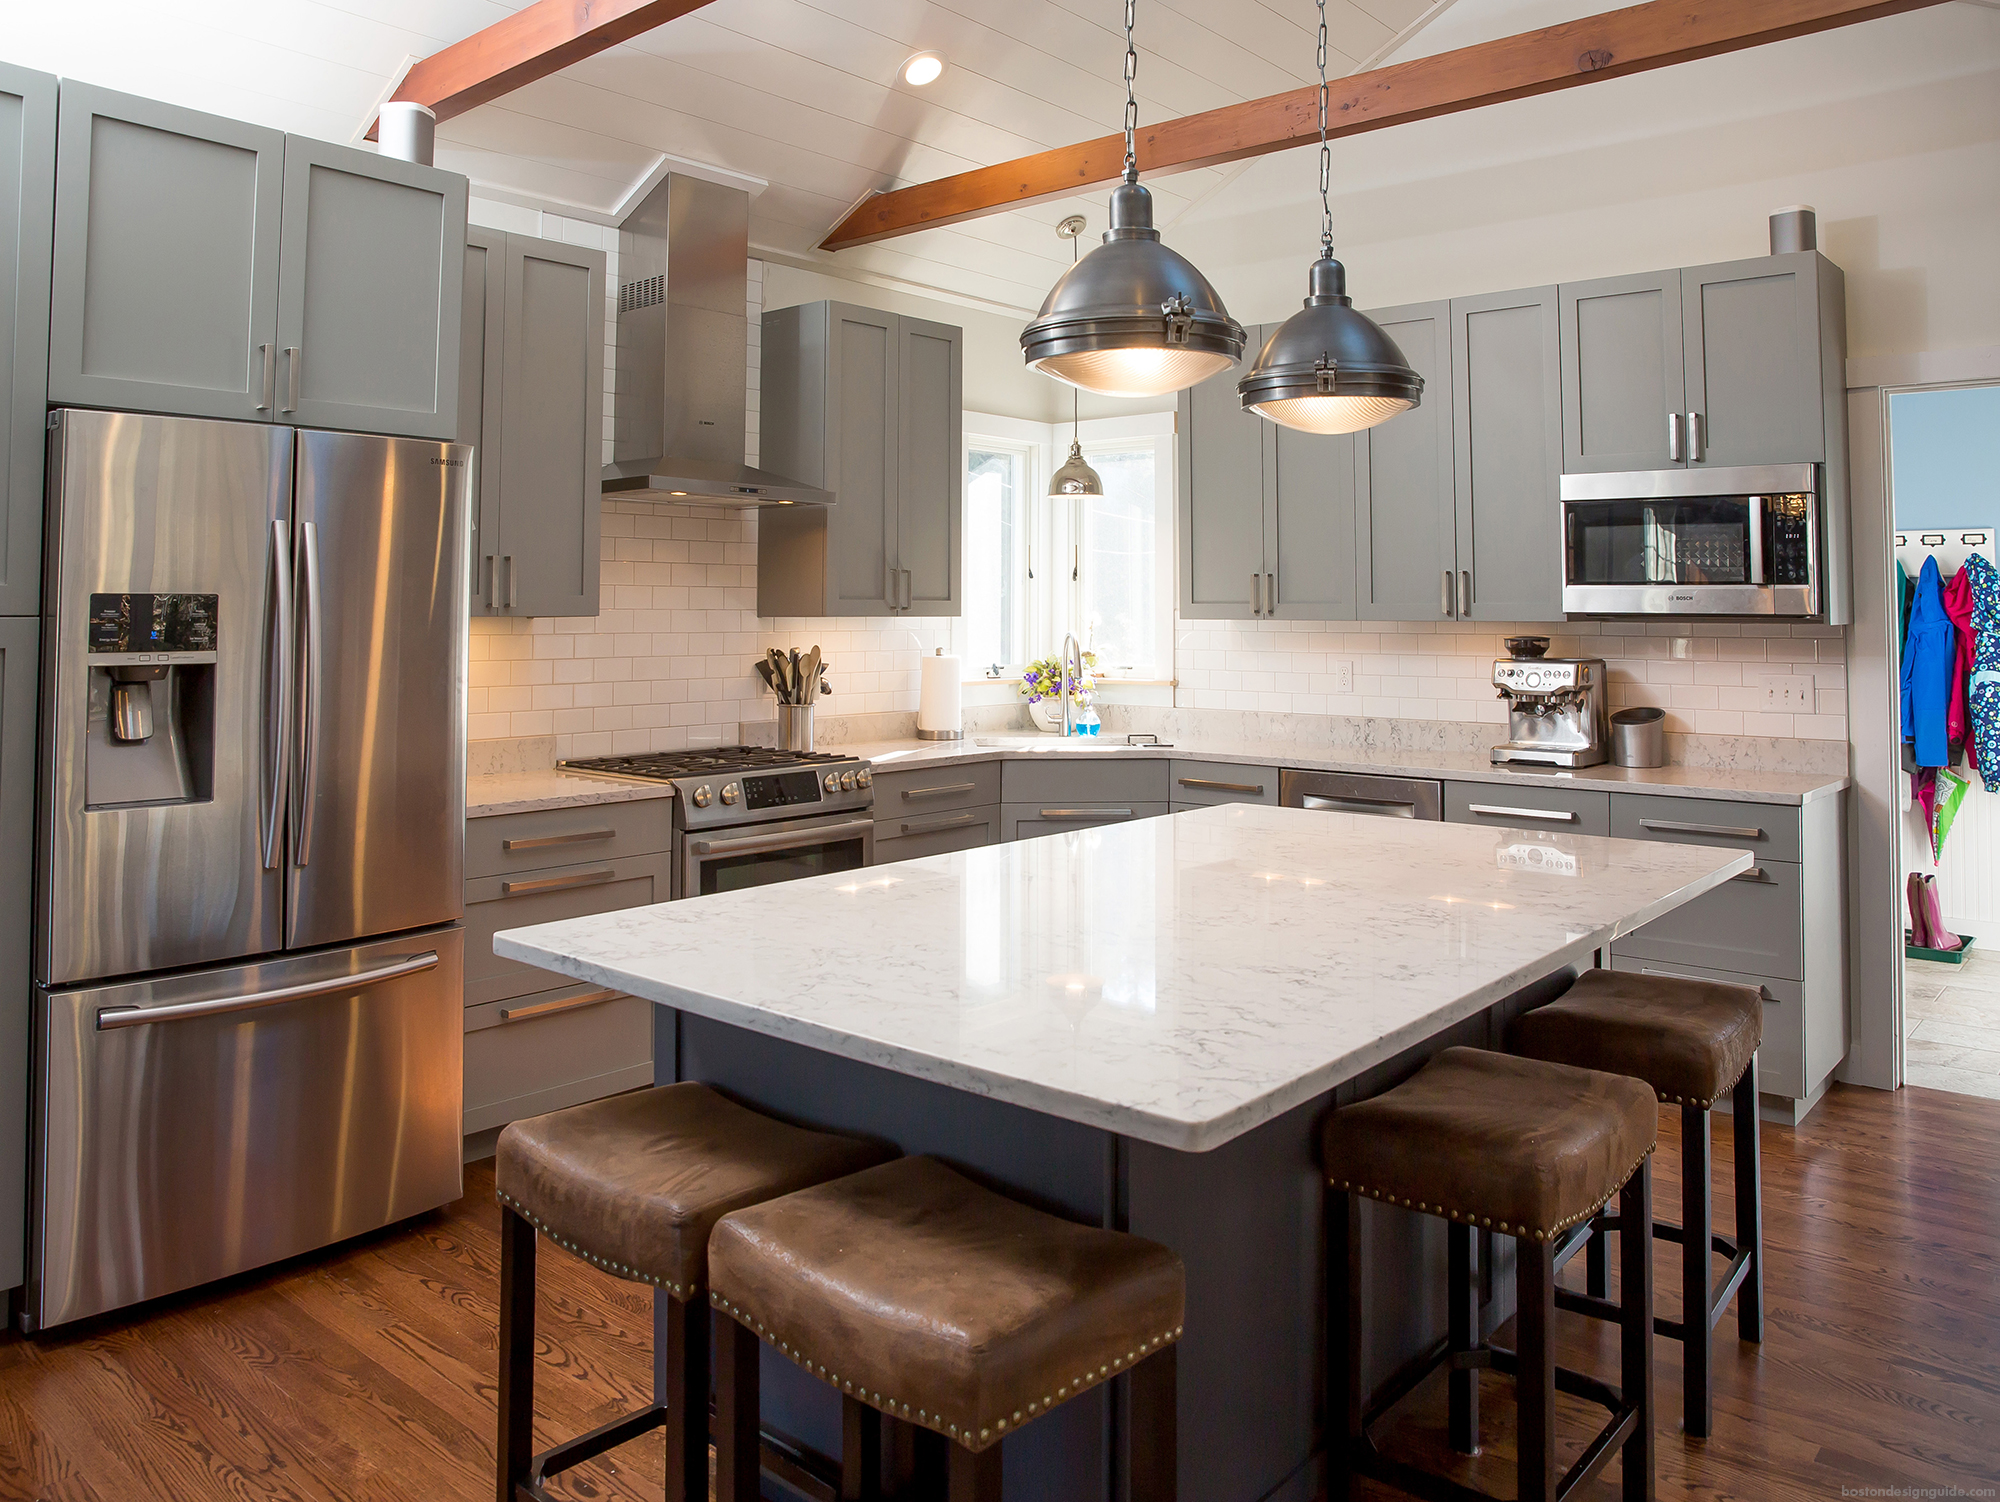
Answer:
(862, 778)
(702, 796)
(847, 782)
(832, 782)
(731, 792)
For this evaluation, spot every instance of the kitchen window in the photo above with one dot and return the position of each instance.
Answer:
(1039, 567)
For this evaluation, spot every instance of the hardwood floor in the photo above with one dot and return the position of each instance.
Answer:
(368, 1371)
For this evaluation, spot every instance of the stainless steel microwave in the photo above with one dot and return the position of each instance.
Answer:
(1726, 542)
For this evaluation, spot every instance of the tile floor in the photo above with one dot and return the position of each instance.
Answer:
(1951, 1024)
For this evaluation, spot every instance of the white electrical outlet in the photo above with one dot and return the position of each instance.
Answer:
(1343, 676)
(1789, 695)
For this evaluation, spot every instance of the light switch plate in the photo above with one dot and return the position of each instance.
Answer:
(1787, 694)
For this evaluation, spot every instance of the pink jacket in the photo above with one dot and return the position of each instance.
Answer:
(1958, 606)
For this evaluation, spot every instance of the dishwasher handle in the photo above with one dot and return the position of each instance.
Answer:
(1361, 793)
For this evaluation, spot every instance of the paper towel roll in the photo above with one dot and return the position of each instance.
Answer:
(940, 706)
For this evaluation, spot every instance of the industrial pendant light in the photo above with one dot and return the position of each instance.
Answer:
(1132, 318)
(1329, 369)
(1075, 477)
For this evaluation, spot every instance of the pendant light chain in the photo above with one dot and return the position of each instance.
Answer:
(1325, 152)
(1132, 101)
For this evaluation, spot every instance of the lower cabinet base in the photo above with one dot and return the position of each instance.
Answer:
(535, 1061)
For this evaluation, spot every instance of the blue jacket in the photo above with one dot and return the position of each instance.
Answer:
(1929, 657)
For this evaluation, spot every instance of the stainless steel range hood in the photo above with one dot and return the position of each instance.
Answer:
(678, 418)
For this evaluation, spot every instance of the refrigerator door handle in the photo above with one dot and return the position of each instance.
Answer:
(277, 715)
(110, 1017)
(312, 671)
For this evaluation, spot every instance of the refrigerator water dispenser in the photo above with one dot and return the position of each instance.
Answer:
(150, 736)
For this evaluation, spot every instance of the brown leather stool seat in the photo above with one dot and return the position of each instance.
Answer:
(634, 1184)
(1492, 1143)
(946, 1307)
(1693, 1041)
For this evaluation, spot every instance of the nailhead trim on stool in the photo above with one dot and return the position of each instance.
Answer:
(1486, 1222)
(591, 1257)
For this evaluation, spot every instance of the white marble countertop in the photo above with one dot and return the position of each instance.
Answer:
(523, 792)
(1177, 980)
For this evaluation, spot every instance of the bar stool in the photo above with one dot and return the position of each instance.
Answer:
(937, 1307)
(1692, 1041)
(1530, 1150)
(633, 1184)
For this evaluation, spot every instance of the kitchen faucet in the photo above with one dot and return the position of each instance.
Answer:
(1071, 652)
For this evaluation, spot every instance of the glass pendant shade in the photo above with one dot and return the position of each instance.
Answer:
(1075, 477)
(1132, 318)
(1328, 368)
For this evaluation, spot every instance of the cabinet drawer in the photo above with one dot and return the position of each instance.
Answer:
(558, 1048)
(1075, 780)
(518, 900)
(1200, 782)
(507, 843)
(1023, 821)
(1764, 829)
(933, 790)
(1505, 805)
(935, 834)
(1781, 1068)
(1751, 924)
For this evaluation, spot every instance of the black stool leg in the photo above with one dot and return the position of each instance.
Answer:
(1635, 1343)
(516, 1451)
(1597, 1259)
(1464, 1336)
(1153, 1450)
(686, 1400)
(1697, 1286)
(974, 1478)
(1749, 1205)
(1535, 1282)
(1343, 1344)
(860, 1452)
(738, 1457)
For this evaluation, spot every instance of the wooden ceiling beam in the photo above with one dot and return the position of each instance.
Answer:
(1641, 37)
(535, 41)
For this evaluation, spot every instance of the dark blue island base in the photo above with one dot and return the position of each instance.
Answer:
(1245, 1218)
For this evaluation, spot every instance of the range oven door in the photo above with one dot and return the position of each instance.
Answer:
(1727, 542)
(762, 854)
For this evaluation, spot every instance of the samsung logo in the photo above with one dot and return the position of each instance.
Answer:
(450, 463)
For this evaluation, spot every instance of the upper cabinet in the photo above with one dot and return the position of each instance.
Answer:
(1405, 540)
(868, 405)
(209, 268)
(1708, 365)
(531, 402)
(27, 211)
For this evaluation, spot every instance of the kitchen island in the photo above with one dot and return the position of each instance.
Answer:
(1139, 1026)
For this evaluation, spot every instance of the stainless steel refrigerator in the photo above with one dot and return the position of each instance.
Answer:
(249, 884)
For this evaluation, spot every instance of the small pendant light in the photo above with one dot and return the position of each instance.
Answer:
(1132, 318)
(1329, 369)
(1075, 477)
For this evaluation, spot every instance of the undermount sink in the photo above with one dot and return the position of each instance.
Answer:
(1054, 743)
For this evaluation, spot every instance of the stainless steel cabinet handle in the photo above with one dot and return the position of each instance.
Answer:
(1501, 811)
(1223, 787)
(492, 582)
(1763, 991)
(949, 821)
(338, 985)
(312, 606)
(291, 378)
(1270, 594)
(1086, 813)
(556, 883)
(1256, 591)
(560, 1004)
(508, 559)
(1674, 420)
(944, 791)
(543, 841)
(1697, 440)
(1756, 874)
(278, 716)
(270, 381)
(1444, 600)
(906, 589)
(1465, 594)
(1724, 831)
(1325, 804)
(751, 844)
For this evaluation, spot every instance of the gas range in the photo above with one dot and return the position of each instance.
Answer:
(726, 786)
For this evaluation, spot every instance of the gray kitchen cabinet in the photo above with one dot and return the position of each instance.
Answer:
(369, 264)
(1085, 779)
(529, 1055)
(536, 362)
(1404, 507)
(165, 293)
(1197, 784)
(1506, 805)
(905, 839)
(868, 405)
(20, 662)
(1027, 821)
(1506, 422)
(936, 810)
(1266, 512)
(27, 219)
(1621, 372)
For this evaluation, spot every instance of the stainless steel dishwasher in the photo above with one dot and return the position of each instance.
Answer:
(1354, 793)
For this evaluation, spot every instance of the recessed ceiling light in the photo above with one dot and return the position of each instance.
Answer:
(922, 69)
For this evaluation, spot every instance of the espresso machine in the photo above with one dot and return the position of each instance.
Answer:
(1556, 710)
